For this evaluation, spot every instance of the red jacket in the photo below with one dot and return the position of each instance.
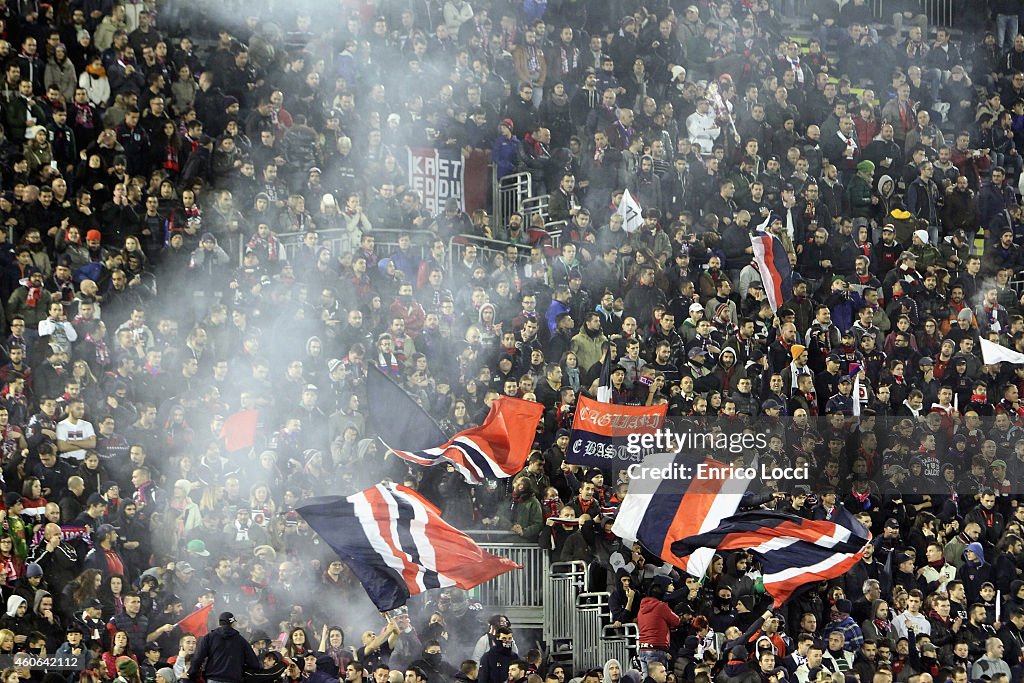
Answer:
(654, 621)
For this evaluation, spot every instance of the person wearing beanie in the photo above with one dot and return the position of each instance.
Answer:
(921, 246)
(127, 670)
(738, 668)
(505, 149)
(206, 266)
(223, 654)
(859, 190)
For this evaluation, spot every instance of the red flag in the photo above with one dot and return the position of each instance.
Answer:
(496, 449)
(396, 543)
(197, 622)
(239, 430)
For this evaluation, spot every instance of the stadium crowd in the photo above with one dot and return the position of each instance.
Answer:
(148, 297)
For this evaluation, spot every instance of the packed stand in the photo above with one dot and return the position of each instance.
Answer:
(148, 297)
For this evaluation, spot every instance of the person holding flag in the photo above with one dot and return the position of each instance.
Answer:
(631, 213)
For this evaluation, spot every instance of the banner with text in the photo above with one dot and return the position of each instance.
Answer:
(437, 175)
(601, 432)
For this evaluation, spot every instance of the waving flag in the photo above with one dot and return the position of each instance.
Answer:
(992, 353)
(396, 417)
(659, 514)
(632, 214)
(397, 545)
(197, 623)
(773, 266)
(239, 430)
(496, 449)
(792, 551)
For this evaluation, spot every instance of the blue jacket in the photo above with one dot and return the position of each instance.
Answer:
(505, 154)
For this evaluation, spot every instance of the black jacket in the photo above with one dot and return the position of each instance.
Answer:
(223, 655)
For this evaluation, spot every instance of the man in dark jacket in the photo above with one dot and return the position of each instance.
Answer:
(495, 662)
(223, 654)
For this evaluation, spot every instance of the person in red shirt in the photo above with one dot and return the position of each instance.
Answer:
(654, 622)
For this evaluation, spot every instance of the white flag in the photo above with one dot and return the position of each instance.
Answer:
(856, 394)
(632, 214)
(992, 353)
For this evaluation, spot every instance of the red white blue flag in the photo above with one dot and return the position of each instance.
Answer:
(496, 449)
(773, 266)
(792, 551)
(397, 545)
(659, 514)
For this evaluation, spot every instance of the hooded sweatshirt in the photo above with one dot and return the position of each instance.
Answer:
(607, 677)
(654, 621)
(11, 619)
(222, 655)
(13, 603)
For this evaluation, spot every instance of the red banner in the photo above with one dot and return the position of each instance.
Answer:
(601, 433)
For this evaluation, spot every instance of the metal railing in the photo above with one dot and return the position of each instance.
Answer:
(509, 194)
(485, 247)
(522, 588)
(340, 242)
(939, 12)
(553, 597)
(518, 594)
(587, 629)
(565, 581)
(620, 642)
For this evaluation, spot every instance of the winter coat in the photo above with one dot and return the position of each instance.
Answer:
(62, 75)
(223, 655)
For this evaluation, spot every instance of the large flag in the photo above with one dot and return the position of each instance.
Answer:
(773, 266)
(604, 434)
(992, 353)
(632, 214)
(397, 545)
(496, 449)
(197, 623)
(239, 430)
(659, 513)
(395, 416)
(792, 551)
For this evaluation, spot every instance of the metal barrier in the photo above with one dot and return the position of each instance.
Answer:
(620, 642)
(510, 192)
(532, 205)
(939, 12)
(591, 611)
(340, 242)
(523, 588)
(565, 581)
(518, 594)
(485, 247)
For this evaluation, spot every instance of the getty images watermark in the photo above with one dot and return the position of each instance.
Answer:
(667, 442)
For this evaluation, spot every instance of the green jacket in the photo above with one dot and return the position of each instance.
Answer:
(527, 513)
(927, 255)
(18, 305)
(858, 197)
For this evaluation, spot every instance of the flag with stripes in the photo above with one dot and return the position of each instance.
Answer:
(773, 266)
(657, 513)
(395, 417)
(792, 551)
(495, 450)
(397, 545)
